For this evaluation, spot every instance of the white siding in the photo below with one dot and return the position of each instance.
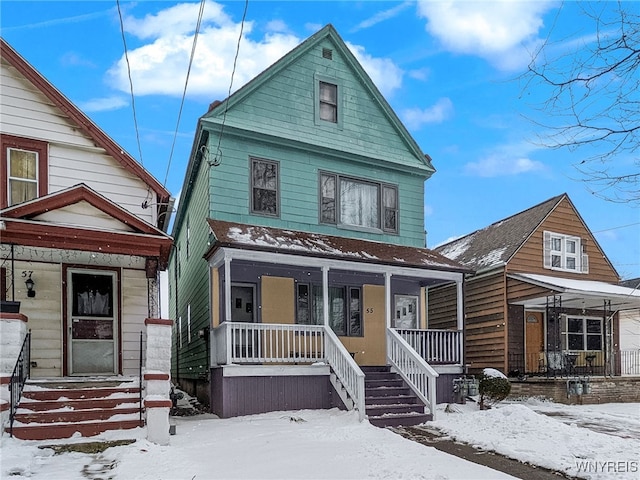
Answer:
(73, 157)
(134, 313)
(44, 312)
(85, 214)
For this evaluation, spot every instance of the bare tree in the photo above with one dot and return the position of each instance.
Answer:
(593, 101)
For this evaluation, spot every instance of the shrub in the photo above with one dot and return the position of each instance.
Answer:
(493, 387)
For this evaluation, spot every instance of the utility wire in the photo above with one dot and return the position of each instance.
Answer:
(186, 83)
(233, 71)
(133, 100)
(617, 228)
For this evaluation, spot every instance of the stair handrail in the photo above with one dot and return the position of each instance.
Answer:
(413, 369)
(21, 372)
(140, 380)
(346, 369)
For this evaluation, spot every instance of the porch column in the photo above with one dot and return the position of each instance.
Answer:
(227, 289)
(325, 295)
(460, 304)
(157, 379)
(387, 299)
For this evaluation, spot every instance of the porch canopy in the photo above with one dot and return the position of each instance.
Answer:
(579, 294)
(261, 244)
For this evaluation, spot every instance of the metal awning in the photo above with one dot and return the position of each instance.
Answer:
(581, 294)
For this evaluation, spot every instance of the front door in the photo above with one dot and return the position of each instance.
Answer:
(243, 310)
(534, 342)
(406, 312)
(92, 322)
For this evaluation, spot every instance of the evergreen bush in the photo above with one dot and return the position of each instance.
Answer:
(493, 387)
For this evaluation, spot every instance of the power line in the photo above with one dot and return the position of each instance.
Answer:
(186, 83)
(617, 228)
(233, 71)
(133, 100)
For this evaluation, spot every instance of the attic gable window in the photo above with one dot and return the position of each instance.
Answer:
(23, 170)
(328, 102)
(328, 98)
(564, 252)
(356, 203)
(265, 196)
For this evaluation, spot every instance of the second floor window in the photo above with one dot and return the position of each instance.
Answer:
(564, 252)
(264, 187)
(23, 170)
(358, 203)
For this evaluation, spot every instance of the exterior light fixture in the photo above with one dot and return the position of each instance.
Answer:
(30, 284)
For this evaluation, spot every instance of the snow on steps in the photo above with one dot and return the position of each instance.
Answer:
(55, 409)
(389, 401)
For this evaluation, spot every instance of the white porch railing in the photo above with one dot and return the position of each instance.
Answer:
(435, 346)
(413, 369)
(236, 342)
(630, 362)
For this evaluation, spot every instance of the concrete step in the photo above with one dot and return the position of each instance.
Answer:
(66, 430)
(69, 416)
(43, 394)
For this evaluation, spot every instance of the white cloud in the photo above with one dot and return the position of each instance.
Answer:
(159, 66)
(103, 104)
(502, 32)
(415, 118)
(385, 74)
(421, 74)
(497, 165)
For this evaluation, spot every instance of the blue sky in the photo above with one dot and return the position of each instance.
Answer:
(450, 70)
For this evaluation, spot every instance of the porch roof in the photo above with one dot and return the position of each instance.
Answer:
(581, 294)
(316, 245)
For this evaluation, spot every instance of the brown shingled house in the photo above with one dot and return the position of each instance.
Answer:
(544, 298)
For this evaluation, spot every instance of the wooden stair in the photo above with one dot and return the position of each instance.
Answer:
(389, 402)
(55, 409)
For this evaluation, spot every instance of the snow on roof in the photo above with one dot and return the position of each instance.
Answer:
(319, 245)
(586, 286)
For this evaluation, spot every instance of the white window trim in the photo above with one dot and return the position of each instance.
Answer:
(581, 259)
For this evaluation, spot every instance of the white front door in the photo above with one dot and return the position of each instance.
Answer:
(406, 312)
(92, 322)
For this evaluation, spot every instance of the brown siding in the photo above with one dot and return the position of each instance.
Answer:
(563, 219)
(442, 307)
(485, 322)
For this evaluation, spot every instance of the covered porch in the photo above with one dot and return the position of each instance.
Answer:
(571, 328)
(294, 303)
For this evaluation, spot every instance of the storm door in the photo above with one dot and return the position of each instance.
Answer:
(406, 312)
(92, 322)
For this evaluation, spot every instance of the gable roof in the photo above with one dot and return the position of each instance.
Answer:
(327, 32)
(496, 244)
(20, 225)
(276, 240)
(87, 126)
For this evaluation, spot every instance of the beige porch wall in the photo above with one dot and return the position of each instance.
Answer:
(371, 348)
(45, 313)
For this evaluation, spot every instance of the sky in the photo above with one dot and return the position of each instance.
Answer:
(452, 71)
(594, 442)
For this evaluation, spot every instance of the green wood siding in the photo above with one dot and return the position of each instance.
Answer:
(192, 284)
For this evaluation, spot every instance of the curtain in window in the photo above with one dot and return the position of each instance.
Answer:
(23, 183)
(359, 204)
(265, 187)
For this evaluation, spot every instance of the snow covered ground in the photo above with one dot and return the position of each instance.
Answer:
(594, 442)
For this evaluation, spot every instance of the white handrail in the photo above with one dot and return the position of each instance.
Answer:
(435, 346)
(346, 369)
(413, 369)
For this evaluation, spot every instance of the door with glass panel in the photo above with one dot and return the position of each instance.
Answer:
(92, 322)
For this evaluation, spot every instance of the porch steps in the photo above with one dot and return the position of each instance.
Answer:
(389, 402)
(58, 409)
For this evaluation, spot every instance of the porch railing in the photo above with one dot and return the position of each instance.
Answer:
(435, 346)
(418, 374)
(630, 362)
(19, 376)
(236, 342)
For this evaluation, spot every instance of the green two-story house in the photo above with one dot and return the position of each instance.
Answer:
(299, 275)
